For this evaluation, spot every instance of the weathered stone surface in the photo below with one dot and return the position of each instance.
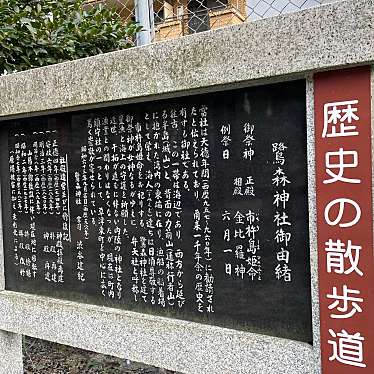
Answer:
(181, 346)
(328, 36)
(10, 353)
(313, 221)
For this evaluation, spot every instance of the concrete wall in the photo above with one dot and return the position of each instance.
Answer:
(297, 45)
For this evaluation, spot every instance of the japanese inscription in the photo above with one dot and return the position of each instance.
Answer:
(345, 229)
(194, 208)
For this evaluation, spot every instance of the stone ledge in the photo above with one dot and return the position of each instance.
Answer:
(326, 37)
(173, 344)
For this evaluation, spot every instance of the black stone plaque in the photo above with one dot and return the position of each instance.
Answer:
(192, 208)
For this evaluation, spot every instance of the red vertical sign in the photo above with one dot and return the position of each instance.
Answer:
(345, 220)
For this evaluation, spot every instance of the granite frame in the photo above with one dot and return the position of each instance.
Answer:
(188, 347)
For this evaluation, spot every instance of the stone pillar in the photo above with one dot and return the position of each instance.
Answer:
(10, 353)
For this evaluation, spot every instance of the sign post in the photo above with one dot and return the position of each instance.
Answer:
(345, 220)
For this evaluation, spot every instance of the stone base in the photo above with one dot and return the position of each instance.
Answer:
(10, 353)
